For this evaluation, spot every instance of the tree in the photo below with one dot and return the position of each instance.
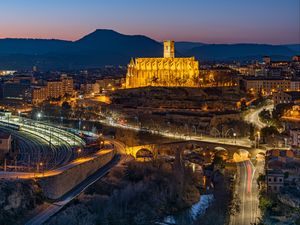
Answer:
(243, 104)
(66, 106)
(265, 203)
(268, 131)
(278, 112)
(261, 179)
(218, 161)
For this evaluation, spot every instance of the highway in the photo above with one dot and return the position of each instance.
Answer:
(248, 192)
(56, 206)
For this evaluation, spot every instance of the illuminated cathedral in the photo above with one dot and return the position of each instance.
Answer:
(168, 71)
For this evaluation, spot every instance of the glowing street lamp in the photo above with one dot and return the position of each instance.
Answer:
(19, 115)
(258, 138)
(78, 152)
(39, 115)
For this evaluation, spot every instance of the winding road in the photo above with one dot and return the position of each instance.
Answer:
(248, 192)
(253, 115)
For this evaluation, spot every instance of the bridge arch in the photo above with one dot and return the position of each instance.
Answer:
(144, 153)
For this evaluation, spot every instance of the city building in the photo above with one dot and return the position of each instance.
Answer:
(110, 83)
(286, 97)
(90, 89)
(267, 60)
(274, 180)
(6, 72)
(295, 137)
(55, 89)
(295, 111)
(16, 91)
(67, 84)
(61, 87)
(24, 79)
(167, 71)
(296, 58)
(295, 85)
(39, 94)
(282, 168)
(268, 86)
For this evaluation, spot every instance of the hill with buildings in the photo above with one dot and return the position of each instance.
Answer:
(107, 47)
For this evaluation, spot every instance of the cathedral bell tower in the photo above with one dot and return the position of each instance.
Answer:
(169, 49)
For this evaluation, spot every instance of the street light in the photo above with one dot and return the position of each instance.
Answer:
(78, 152)
(39, 115)
(234, 135)
(258, 138)
(41, 165)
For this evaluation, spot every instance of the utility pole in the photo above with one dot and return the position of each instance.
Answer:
(28, 162)
(16, 163)
(4, 164)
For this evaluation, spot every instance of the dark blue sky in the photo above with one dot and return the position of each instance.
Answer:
(210, 21)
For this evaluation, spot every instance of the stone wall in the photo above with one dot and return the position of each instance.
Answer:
(56, 186)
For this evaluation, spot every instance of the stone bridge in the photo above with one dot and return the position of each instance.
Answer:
(153, 150)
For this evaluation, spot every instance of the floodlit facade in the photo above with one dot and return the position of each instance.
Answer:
(168, 71)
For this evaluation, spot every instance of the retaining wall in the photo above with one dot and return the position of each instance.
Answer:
(56, 186)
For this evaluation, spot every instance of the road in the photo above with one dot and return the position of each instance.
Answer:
(253, 115)
(56, 206)
(243, 142)
(246, 187)
(248, 192)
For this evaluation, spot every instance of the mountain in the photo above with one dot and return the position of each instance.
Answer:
(107, 47)
(241, 52)
(30, 46)
(184, 46)
(294, 47)
(102, 47)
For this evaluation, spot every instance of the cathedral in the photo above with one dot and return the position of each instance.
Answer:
(168, 71)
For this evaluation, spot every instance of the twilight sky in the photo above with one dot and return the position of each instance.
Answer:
(210, 21)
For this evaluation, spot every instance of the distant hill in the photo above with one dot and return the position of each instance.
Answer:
(294, 47)
(183, 46)
(240, 52)
(102, 47)
(30, 46)
(107, 47)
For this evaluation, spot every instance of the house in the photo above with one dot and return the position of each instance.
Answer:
(286, 97)
(274, 180)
